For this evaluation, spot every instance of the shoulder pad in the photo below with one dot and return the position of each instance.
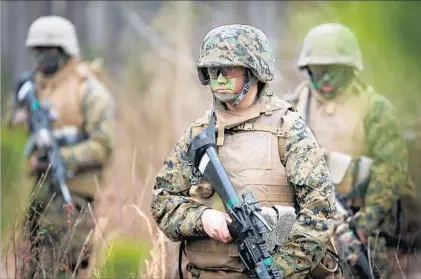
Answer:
(302, 86)
(290, 97)
(96, 65)
(204, 120)
(272, 103)
(277, 103)
(82, 69)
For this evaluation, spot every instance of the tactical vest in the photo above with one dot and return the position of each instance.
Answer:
(338, 127)
(63, 93)
(247, 144)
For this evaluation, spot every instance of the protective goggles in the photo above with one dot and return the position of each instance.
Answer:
(227, 72)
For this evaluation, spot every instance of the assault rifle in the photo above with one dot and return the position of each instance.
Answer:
(43, 138)
(248, 224)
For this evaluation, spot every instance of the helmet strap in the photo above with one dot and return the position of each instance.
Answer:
(246, 87)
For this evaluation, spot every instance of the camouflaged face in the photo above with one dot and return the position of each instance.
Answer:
(330, 43)
(238, 45)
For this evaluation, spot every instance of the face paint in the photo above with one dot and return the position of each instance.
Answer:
(329, 80)
(228, 84)
(49, 59)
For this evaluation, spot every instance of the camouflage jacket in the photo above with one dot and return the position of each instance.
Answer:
(98, 109)
(179, 216)
(385, 143)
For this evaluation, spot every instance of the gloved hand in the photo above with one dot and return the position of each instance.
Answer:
(280, 219)
(348, 244)
(37, 163)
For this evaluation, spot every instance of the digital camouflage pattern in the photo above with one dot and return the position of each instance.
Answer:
(237, 45)
(179, 216)
(98, 110)
(385, 143)
(330, 43)
(389, 178)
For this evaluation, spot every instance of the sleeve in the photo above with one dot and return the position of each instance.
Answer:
(389, 172)
(98, 110)
(307, 171)
(177, 215)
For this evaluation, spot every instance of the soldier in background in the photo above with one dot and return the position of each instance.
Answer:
(363, 141)
(80, 103)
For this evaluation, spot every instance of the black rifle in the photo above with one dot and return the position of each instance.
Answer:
(43, 138)
(247, 225)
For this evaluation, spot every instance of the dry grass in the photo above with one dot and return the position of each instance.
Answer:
(151, 117)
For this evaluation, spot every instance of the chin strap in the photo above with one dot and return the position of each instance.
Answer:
(244, 91)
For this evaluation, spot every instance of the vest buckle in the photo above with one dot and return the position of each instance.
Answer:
(280, 133)
(248, 126)
(195, 272)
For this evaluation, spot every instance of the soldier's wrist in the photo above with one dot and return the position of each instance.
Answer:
(201, 209)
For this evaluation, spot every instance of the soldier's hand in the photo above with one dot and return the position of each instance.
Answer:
(362, 236)
(36, 164)
(215, 225)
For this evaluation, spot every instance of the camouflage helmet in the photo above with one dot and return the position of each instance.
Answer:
(330, 43)
(53, 31)
(236, 45)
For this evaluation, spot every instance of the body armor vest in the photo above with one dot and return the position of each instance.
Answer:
(338, 127)
(248, 147)
(63, 94)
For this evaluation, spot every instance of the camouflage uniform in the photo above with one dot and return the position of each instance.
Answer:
(357, 122)
(178, 201)
(59, 240)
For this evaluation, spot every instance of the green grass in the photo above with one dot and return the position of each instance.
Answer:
(15, 185)
(124, 259)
